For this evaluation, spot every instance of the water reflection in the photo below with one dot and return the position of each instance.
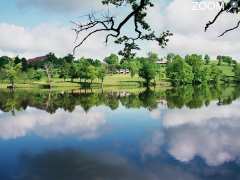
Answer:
(187, 132)
(51, 101)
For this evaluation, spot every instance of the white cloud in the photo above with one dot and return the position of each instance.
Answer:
(60, 5)
(45, 38)
(209, 133)
(176, 16)
(78, 123)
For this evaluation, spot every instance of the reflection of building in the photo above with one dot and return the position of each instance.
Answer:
(162, 61)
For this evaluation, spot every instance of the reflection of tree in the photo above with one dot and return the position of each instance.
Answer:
(198, 96)
(149, 99)
(50, 101)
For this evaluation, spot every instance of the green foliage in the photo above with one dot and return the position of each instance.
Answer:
(153, 57)
(112, 62)
(134, 67)
(12, 71)
(207, 59)
(34, 75)
(215, 74)
(148, 72)
(179, 71)
(237, 72)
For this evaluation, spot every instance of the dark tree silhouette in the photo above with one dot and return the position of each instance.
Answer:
(113, 27)
(233, 6)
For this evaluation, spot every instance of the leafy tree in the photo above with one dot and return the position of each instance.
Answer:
(215, 74)
(207, 59)
(12, 71)
(4, 60)
(148, 72)
(112, 62)
(73, 71)
(91, 73)
(196, 62)
(101, 73)
(170, 57)
(179, 71)
(64, 71)
(134, 67)
(237, 72)
(153, 57)
(68, 59)
(219, 58)
(34, 75)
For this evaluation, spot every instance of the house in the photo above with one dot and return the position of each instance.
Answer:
(162, 61)
(37, 59)
(123, 71)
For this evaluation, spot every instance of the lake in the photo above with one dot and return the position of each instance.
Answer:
(185, 133)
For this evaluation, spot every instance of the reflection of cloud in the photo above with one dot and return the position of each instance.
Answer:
(79, 123)
(199, 116)
(151, 147)
(73, 164)
(208, 132)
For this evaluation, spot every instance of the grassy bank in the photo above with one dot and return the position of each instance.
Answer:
(117, 81)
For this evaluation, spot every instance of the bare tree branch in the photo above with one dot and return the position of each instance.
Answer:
(214, 20)
(108, 24)
(231, 29)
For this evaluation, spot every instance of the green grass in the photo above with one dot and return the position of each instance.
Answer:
(111, 82)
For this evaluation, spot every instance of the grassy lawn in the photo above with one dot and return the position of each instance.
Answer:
(111, 82)
(227, 70)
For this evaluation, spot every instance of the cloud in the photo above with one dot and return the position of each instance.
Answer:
(45, 38)
(78, 123)
(59, 5)
(177, 16)
(208, 133)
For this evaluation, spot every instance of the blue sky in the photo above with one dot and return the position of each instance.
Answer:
(35, 27)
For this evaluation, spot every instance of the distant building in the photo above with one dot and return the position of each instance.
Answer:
(123, 71)
(162, 61)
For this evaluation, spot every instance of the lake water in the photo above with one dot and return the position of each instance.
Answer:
(181, 134)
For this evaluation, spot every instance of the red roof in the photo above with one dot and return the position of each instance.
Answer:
(37, 59)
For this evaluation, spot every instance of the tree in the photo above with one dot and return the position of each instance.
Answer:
(91, 73)
(148, 72)
(49, 72)
(153, 57)
(237, 72)
(219, 58)
(73, 71)
(12, 71)
(215, 74)
(134, 67)
(101, 73)
(112, 62)
(68, 59)
(207, 59)
(34, 75)
(64, 71)
(113, 27)
(179, 71)
(170, 57)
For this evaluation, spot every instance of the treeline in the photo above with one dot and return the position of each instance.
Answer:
(195, 69)
(184, 96)
(192, 69)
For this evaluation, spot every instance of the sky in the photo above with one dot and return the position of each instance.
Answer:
(30, 28)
